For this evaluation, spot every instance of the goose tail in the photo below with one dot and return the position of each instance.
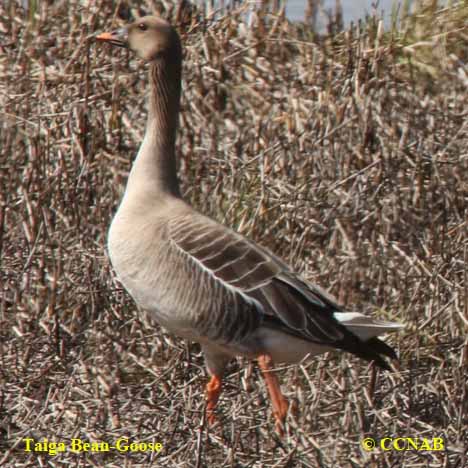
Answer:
(368, 329)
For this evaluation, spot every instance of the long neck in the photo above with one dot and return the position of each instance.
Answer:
(154, 170)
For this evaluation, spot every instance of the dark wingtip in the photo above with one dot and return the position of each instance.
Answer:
(382, 363)
(381, 347)
(378, 348)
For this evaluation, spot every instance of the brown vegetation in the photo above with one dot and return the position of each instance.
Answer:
(344, 154)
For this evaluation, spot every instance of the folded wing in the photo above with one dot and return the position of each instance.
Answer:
(283, 300)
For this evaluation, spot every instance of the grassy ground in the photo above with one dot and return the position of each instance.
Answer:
(345, 154)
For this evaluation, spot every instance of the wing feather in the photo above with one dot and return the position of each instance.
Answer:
(280, 298)
(236, 263)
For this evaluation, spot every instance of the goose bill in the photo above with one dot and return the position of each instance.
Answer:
(117, 38)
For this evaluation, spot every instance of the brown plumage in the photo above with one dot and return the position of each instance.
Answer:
(202, 280)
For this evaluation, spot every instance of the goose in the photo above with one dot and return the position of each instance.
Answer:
(203, 281)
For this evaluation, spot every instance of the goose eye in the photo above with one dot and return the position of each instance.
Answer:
(142, 27)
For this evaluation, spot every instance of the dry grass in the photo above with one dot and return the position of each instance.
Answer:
(342, 155)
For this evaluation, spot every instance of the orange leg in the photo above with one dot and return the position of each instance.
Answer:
(213, 390)
(280, 404)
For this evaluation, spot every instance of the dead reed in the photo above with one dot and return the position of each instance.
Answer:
(346, 154)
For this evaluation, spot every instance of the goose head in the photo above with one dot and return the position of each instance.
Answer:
(150, 37)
